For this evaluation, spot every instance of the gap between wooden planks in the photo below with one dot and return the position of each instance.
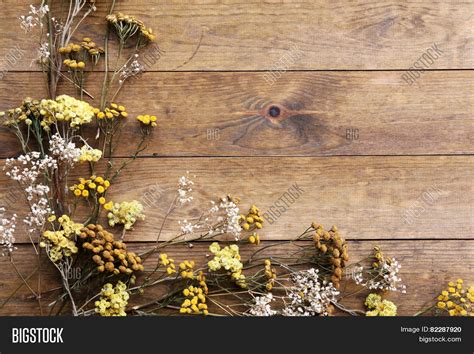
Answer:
(259, 35)
(366, 197)
(427, 266)
(320, 113)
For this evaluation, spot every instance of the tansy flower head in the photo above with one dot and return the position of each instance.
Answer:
(94, 187)
(455, 300)
(110, 255)
(147, 120)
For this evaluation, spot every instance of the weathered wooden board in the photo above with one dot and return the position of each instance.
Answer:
(282, 35)
(367, 197)
(321, 113)
(426, 268)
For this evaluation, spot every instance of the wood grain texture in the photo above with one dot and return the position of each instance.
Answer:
(256, 35)
(426, 268)
(321, 113)
(367, 197)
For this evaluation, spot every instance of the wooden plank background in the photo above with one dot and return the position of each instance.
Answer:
(412, 139)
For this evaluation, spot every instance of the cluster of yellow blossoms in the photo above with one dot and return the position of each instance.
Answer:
(60, 243)
(89, 154)
(126, 26)
(270, 274)
(168, 263)
(27, 112)
(146, 119)
(187, 269)
(456, 300)
(379, 307)
(112, 111)
(254, 239)
(113, 300)
(252, 220)
(195, 298)
(72, 51)
(126, 213)
(227, 258)
(74, 64)
(94, 186)
(92, 48)
(68, 109)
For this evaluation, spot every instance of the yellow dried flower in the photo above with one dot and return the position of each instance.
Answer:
(147, 120)
(379, 307)
(89, 154)
(227, 258)
(60, 243)
(68, 109)
(113, 300)
(126, 213)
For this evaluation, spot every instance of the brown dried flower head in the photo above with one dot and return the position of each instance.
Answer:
(333, 249)
(109, 255)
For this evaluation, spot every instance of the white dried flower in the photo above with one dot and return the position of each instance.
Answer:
(43, 53)
(7, 232)
(389, 278)
(187, 227)
(64, 151)
(261, 306)
(232, 217)
(131, 69)
(32, 166)
(34, 17)
(28, 170)
(309, 296)
(358, 275)
(184, 189)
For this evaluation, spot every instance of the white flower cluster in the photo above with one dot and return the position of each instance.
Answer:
(231, 218)
(32, 167)
(389, 279)
(184, 189)
(64, 151)
(7, 232)
(135, 68)
(26, 170)
(34, 17)
(309, 296)
(261, 307)
(43, 53)
(358, 275)
(187, 227)
(39, 206)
